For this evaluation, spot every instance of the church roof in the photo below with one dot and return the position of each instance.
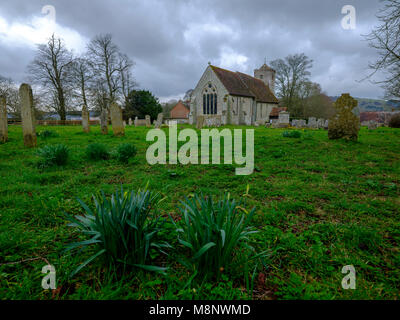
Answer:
(240, 84)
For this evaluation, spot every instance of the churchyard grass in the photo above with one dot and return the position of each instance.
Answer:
(319, 205)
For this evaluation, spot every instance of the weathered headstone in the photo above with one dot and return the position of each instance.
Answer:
(200, 122)
(130, 121)
(159, 121)
(28, 115)
(345, 124)
(372, 125)
(284, 119)
(104, 121)
(312, 123)
(326, 125)
(136, 121)
(85, 119)
(320, 123)
(148, 121)
(3, 120)
(116, 120)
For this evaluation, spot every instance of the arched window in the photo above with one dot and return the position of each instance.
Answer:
(210, 98)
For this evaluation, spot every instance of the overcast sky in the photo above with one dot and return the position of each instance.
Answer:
(171, 41)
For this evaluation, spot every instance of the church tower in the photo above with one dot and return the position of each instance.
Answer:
(267, 75)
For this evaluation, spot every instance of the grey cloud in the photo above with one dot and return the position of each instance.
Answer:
(172, 41)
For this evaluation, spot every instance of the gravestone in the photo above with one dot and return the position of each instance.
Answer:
(28, 115)
(345, 124)
(148, 121)
(372, 125)
(326, 125)
(136, 121)
(130, 121)
(3, 120)
(312, 123)
(159, 121)
(116, 120)
(200, 122)
(320, 123)
(104, 121)
(85, 119)
(295, 123)
(284, 119)
(124, 122)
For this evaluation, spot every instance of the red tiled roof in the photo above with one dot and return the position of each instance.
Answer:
(240, 84)
(180, 111)
(275, 111)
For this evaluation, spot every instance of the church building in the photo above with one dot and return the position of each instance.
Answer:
(225, 97)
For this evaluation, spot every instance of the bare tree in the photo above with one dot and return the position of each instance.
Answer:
(386, 39)
(109, 65)
(82, 77)
(51, 69)
(9, 90)
(291, 74)
(128, 83)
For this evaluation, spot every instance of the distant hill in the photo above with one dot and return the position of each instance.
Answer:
(374, 105)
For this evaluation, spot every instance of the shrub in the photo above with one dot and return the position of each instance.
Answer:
(213, 232)
(55, 155)
(395, 121)
(291, 134)
(125, 152)
(124, 228)
(47, 134)
(97, 151)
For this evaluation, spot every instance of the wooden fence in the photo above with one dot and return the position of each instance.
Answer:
(56, 122)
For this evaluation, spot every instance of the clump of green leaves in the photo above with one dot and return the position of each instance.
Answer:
(124, 229)
(53, 155)
(47, 134)
(214, 232)
(125, 152)
(97, 151)
(291, 134)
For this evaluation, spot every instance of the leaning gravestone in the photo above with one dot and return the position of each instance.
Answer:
(28, 115)
(85, 119)
(116, 120)
(148, 121)
(3, 120)
(104, 121)
(345, 124)
(159, 121)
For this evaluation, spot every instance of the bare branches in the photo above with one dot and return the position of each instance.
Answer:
(51, 70)
(111, 66)
(291, 73)
(385, 38)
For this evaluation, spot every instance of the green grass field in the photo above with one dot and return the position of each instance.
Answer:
(320, 205)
